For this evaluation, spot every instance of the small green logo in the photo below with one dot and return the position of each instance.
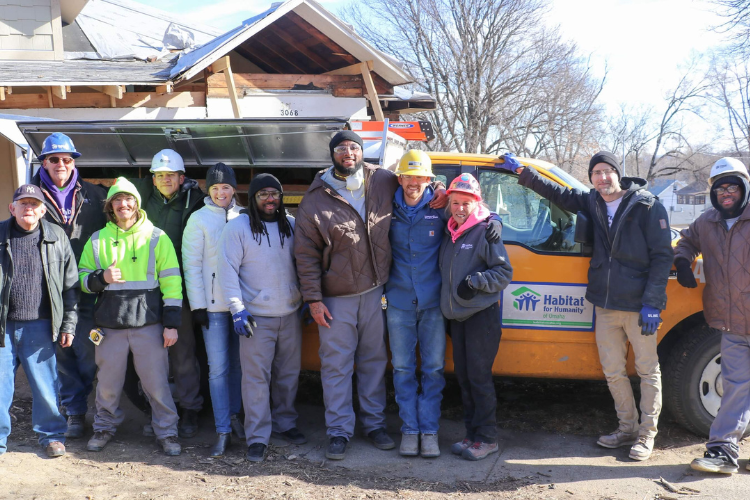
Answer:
(526, 299)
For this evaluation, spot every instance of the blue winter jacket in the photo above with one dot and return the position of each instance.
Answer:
(415, 243)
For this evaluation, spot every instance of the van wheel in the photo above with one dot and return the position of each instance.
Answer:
(693, 382)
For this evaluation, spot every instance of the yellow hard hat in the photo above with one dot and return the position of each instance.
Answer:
(415, 162)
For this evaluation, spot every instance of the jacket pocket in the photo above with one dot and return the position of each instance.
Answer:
(128, 308)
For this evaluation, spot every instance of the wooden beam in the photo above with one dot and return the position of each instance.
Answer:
(49, 97)
(314, 32)
(100, 100)
(372, 94)
(285, 36)
(270, 48)
(165, 89)
(59, 92)
(2, 93)
(115, 91)
(232, 90)
(354, 69)
(220, 65)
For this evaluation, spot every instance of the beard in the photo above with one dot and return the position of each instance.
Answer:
(346, 172)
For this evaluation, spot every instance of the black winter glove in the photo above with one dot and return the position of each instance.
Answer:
(200, 316)
(685, 276)
(465, 290)
(494, 231)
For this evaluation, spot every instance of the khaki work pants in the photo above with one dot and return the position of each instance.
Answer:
(614, 329)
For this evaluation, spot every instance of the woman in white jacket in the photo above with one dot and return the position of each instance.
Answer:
(199, 262)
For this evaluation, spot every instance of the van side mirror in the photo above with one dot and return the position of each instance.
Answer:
(584, 233)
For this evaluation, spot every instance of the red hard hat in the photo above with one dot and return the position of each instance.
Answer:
(465, 183)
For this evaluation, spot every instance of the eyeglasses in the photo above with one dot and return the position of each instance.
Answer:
(729, 189)
(604, 172)
(264, 195)
(56, 159)
(344, 149)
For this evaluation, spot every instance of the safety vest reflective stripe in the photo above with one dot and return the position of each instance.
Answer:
(166, 273)
(150, 282)
(173, 302)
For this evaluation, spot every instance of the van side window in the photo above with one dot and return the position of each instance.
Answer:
(528, 219)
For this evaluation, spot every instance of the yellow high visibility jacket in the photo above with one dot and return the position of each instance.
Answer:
(152, 292)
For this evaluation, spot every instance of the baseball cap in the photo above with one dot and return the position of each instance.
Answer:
(28, 191)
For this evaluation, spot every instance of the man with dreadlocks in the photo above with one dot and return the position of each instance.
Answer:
(257, 272)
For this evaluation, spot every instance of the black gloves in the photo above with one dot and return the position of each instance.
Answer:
(200, 316)
(685, 276)
(494, 231)
(465, 290)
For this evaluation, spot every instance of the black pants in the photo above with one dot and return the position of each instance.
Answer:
(475, 344)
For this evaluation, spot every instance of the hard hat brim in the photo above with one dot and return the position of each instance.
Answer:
(416, 173)
(73, 154)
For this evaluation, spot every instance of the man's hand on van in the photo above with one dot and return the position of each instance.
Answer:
(685, 276)
(649, 320)
(319, 311)
(510, 163)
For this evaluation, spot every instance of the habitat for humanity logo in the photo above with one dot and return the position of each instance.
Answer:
(526, 299)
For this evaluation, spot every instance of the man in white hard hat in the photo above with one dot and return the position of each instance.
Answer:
(721, 234)
(169, 199)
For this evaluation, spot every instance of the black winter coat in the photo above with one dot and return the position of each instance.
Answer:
(631, 261)
(88, 216)
(60, 270)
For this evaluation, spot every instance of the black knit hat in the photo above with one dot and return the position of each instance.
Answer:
(263, 181)
(605, 157)
(220, 174)
(344, 135)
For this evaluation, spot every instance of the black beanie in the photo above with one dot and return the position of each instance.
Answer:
(344, 135)
(263, 181)
(220, 174)
(605, 157)
(744, 195)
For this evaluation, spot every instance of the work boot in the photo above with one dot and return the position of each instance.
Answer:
(617, 438)
(642, 448)
(238, 427)
(430, 448)
(458, 448)
(188, 424)
(715, 460)
(75, 426)
(336, 448)
(293, 436)
(223, 440)
(381, 440)
(99, 441)
(256, 452)
(148, 430)
(479, 450)
(55, 449)
(170, 446)
(409, 445)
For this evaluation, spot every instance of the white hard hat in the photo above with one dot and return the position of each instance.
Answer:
(725, 167)
(167, 160)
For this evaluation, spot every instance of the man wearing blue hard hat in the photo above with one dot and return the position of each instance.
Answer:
(169, 199)
(77, 207)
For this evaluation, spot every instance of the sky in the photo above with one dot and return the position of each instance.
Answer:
(645, 44)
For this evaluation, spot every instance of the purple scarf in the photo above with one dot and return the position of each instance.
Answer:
(63, 198)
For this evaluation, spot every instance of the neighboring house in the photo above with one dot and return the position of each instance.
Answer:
(692, 201)
(666, 190)
(118, 60)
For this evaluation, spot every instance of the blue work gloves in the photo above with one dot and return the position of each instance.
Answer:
(685, 276)
(243, 323)
(649, 320)
(494, 231)
(511, 163)
(465, 290)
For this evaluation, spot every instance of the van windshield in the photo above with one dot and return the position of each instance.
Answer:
(569, 179)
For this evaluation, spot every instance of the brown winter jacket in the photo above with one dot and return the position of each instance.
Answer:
(726, 267)
(337, 253)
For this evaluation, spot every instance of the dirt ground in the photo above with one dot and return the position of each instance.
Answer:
(547, 432)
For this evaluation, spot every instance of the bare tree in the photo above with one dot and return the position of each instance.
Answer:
(487, 62)
(736, 25)
(731, 94)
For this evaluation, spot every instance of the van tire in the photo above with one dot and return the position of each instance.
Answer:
(692, 373)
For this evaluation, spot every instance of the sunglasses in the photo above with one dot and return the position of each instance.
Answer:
(56, 159)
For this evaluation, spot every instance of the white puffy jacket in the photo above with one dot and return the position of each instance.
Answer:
(200, 255)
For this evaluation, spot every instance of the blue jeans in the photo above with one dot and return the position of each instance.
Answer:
(76, 365)
(420, 413)
(29, 344)
(224, 372)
